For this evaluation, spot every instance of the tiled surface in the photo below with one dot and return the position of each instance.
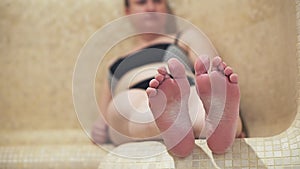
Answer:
(50, 156)
(249, 153)
(147, 155)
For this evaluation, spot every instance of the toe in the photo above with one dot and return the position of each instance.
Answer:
(216, 61)
(233, 78)
(151, 92)
(159, 77)
(162, 71)
(176, 68)
(228, 71)
(201, 65)
(222, 66)
(154, 83)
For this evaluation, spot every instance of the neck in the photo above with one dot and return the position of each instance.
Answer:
(146, 38)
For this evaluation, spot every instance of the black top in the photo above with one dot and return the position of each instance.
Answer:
(156, 53)
(148, 55)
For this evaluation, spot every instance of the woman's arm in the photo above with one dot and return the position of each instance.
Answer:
(105, 97)
(99, 129)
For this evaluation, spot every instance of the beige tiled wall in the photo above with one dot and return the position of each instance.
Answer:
(40, 42)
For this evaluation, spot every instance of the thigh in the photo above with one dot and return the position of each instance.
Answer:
(133, 105)
(131, 118)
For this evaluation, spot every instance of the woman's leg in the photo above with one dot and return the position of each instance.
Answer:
(130, 119)
(126, 123)
(124, 116)
(169, 102)
(220, 94)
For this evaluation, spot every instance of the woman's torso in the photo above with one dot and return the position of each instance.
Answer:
(135, 70)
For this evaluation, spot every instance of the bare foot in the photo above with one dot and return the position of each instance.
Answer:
(168, 101)
(220, 94)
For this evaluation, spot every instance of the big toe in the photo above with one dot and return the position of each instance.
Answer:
(151, 92)
(201, 65)
(176, 68)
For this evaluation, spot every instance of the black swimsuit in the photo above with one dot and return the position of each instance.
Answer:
(156, 53)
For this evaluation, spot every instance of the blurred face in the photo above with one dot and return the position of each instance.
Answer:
(141, 6)
(151, 20)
